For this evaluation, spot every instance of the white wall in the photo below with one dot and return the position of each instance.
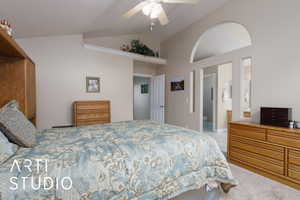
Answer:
(62, 65)
(145, 68)
(275, 51)
(141, 106)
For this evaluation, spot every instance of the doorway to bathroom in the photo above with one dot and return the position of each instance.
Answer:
(209, 101)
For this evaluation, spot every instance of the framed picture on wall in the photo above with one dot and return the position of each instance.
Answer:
(92, 84)
(177, 84)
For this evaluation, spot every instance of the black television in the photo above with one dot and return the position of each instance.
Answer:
(275, 116)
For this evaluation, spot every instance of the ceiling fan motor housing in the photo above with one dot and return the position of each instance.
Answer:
(154, 9)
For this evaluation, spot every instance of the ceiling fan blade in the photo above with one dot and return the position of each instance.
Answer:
(181, 1)
(135, 10)
(163, 18)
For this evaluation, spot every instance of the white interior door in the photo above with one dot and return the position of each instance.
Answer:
(158, 98)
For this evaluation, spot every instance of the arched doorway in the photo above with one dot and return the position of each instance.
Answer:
(218, 53)
(220, 39)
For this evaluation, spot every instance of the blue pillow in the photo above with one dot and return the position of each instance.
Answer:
(7, 149)
(16, 127)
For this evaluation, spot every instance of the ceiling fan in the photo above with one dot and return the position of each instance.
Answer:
(154, 9)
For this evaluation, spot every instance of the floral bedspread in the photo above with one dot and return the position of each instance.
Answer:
(138, 160)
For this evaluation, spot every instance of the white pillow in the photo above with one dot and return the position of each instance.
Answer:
(7, 149)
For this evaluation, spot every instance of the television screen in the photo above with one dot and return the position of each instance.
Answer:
(275, 116)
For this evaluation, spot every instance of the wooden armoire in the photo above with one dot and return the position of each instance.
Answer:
(17, 77)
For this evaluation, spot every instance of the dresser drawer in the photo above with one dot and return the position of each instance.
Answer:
(92, 122)
(92, 116)
(294, 157)
(93, 107)
(258, 161)
(249, 132)
(294, 174)
(283, 138)
(260, 148)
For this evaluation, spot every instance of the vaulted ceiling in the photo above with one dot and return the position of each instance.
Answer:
(30, 18)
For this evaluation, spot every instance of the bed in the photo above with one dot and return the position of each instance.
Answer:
(138, 160)
(132, 160)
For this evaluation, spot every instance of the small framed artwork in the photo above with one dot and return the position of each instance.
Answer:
(144, 89)
(177, 84)
(92, 84)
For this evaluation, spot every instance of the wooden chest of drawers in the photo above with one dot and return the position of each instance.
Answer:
(91, 112)
(271, 151)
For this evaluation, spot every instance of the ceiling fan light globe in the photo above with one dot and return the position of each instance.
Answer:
(154, 15)
(147, 9)
(156, 10)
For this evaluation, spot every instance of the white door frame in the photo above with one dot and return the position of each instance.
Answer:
(142, 75)
(201, 75)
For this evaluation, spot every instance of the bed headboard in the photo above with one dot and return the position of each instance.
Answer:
(17, 77)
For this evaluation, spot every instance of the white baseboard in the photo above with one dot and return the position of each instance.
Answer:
(221, 130)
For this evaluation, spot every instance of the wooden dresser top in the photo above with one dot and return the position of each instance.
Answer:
(275, 128)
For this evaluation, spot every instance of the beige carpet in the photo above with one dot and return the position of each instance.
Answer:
(255, 187)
